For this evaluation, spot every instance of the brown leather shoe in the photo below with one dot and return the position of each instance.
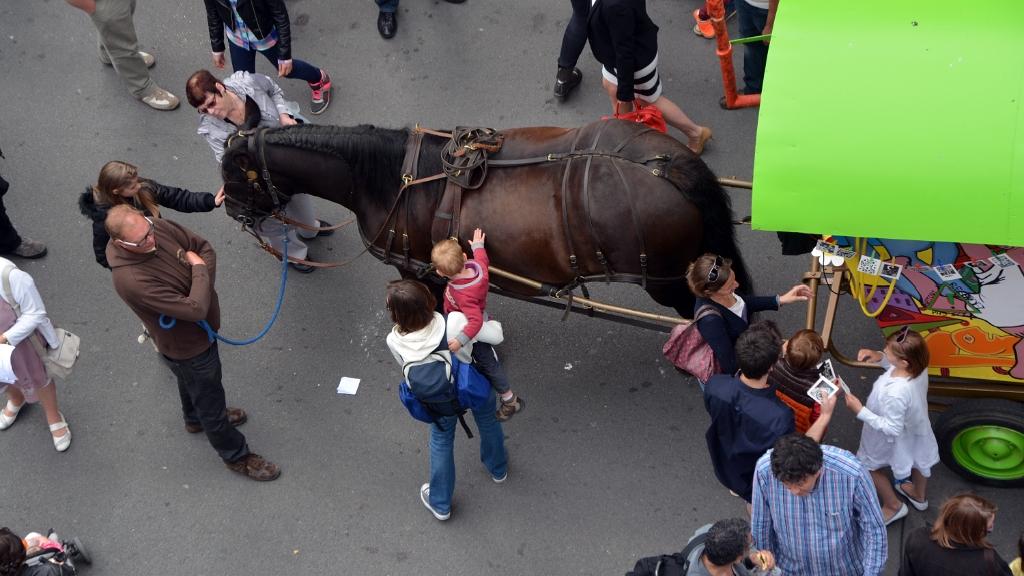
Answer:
(255, 467)
(236, 417)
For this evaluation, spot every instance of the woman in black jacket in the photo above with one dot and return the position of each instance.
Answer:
(265, 28)
(957, 544)
(712, 280)
(119, 183)
(625, 41)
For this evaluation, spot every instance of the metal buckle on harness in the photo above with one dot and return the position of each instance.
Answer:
(406, 179)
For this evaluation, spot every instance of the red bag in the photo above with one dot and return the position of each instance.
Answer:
(644, 114)
(687, 350)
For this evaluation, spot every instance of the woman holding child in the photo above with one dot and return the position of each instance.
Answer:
(419, 337)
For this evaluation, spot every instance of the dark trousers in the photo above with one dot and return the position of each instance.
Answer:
(245, 59)
(388, 5)
(203, 402)
(9, 239)
(574, 39)
(755, 54)
(486, 362)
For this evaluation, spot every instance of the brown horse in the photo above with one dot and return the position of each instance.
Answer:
(609, 201)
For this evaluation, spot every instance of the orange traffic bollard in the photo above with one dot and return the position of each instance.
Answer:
(733, 99)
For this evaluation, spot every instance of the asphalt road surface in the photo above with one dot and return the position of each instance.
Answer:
(608, 462)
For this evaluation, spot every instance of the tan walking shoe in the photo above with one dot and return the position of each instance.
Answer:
(148, 58)
(160, 99)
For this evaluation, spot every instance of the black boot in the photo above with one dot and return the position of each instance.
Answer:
(566, 80)
(387, 24)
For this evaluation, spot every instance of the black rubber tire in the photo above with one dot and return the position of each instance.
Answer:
(970, 413)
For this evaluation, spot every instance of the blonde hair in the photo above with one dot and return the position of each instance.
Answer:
(116, 175)
(447, 257)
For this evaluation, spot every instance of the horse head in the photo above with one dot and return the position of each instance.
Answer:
(263, 167)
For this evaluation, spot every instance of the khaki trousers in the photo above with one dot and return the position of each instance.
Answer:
(118, 42)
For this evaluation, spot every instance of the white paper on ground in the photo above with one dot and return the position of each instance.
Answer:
(348, 385)
(6, 369)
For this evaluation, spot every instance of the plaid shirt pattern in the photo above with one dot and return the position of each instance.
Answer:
(243, 37)
(836, 530)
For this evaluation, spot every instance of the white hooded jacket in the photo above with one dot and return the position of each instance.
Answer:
(421, 346)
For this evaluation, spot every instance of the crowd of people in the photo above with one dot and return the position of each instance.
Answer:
(812, 508)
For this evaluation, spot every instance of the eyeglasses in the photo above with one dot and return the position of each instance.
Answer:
(715, 268)
(145, 238)
(210, 100)
(903, 334)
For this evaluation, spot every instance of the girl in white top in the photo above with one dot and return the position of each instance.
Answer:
(897, 432)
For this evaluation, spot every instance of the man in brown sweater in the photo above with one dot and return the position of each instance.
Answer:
(161, 268)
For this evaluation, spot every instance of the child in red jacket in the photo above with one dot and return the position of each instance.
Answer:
(468, 282)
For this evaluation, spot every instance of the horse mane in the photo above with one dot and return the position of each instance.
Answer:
(374, 154)
(715, 206)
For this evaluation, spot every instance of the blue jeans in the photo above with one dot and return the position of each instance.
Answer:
(245, 59)
(442, 454)
(755, 54)
(388, 6)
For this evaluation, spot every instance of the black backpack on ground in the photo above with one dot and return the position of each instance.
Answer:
(668, 564)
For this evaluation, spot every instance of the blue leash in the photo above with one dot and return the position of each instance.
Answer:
(168, 322)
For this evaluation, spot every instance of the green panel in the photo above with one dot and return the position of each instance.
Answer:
(894, 120)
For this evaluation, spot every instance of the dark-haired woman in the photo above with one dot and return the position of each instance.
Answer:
(222, 110)
(119, 183)
(713, 281)
(419, 337)
(957, 544)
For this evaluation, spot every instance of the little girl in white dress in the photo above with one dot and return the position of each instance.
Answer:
(897, 432)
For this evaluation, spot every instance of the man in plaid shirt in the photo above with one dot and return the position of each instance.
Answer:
(815, 509)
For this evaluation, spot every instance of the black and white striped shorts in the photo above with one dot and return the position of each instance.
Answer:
(646, 82)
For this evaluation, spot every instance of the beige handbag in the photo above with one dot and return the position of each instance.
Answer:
(59, 360)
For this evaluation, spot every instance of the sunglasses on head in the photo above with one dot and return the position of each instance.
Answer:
(715, 270)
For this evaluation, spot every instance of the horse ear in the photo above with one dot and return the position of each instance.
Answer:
(252, 114)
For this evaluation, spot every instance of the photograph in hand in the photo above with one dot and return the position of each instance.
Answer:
(822, 389)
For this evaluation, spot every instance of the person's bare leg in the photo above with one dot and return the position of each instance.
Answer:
(14, 396)
(611, 89)
(917, 487)
(891, 503)
(675, 116)
(48, 398)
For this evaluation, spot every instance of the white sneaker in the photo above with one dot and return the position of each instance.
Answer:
(160, 99)
(425, 498)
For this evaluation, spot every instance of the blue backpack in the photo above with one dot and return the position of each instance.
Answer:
(444, 386)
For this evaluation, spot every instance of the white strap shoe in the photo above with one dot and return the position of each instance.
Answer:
(5, 420)
(61, 443)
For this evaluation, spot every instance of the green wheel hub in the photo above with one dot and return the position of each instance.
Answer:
(993, 452)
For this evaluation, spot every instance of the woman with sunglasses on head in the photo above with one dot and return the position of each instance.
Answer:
(897, 433)
(725, 314)
(119, 183)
